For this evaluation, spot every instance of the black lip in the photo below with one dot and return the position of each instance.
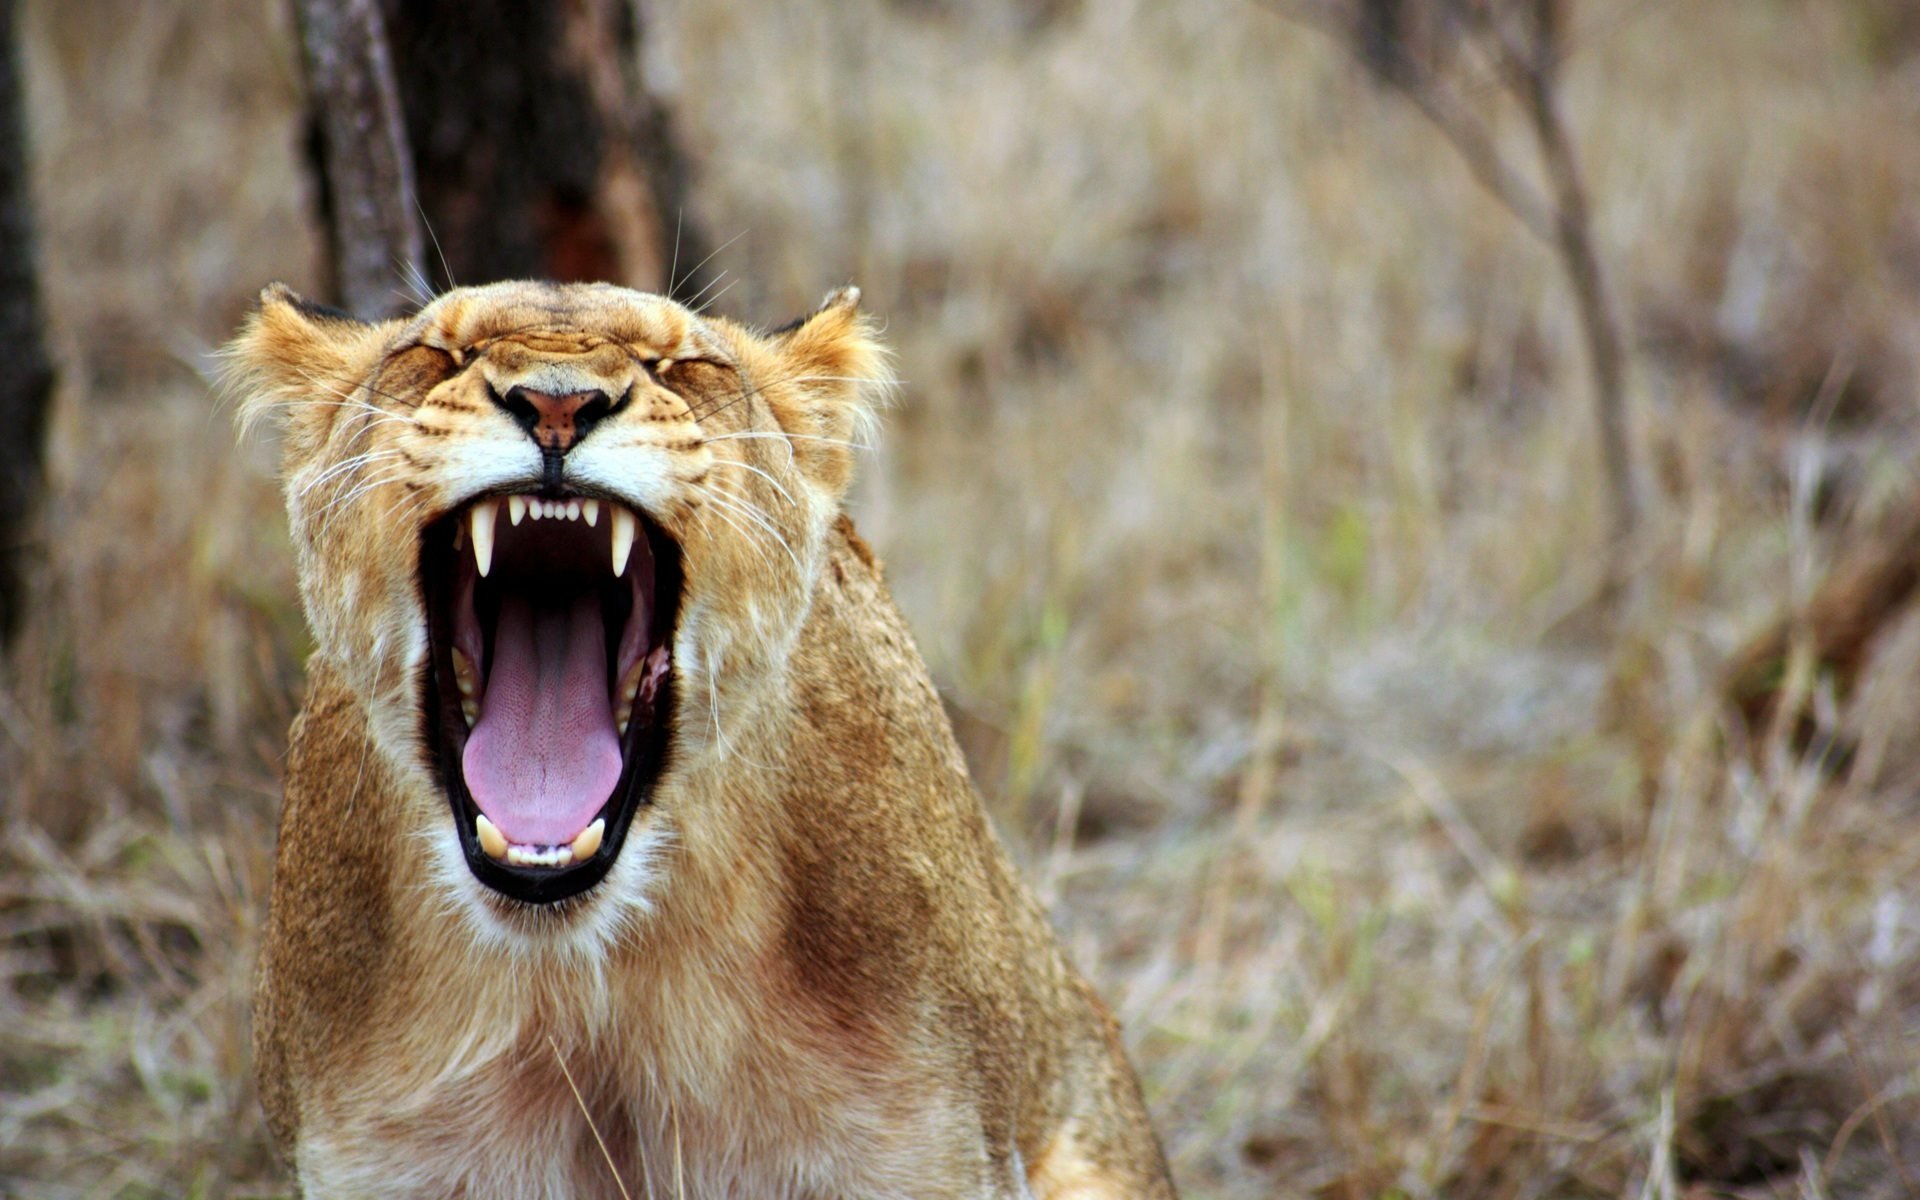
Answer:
(644, 751)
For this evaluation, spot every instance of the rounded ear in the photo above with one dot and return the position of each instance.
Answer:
(299, 359)
(838, 376)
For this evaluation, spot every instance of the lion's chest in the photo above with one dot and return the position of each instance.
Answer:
(536, 1114)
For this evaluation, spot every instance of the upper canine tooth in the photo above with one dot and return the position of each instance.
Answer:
(623, 525)
(516, 508)
(592, 509)
(481, 516)
(588, 842)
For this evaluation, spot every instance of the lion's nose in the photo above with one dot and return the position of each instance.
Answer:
(556, 423)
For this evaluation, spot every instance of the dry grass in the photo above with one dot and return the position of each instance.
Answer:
(1245, 503)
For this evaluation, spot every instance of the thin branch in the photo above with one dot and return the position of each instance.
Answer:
(1444, 111)
(1528, 70)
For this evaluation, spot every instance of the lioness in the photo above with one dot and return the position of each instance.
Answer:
(626, 849)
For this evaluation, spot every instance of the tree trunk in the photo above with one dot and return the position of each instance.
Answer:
(367, 196)
(538, 149)
(26, 386)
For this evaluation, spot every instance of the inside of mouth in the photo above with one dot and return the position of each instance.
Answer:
(550, 632)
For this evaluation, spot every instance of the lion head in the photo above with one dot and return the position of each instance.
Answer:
(555, 538)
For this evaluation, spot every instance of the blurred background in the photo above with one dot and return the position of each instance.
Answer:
(1412, 507)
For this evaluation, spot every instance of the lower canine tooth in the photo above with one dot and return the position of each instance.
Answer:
(588, 843)
(491, 839)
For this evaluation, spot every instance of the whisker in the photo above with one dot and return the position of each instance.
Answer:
(335, 382)
(715, 299)
(591, 1126)
(434, 238)
(693, 301)
(695, 268)
(367, 486)
(747, 466)
(801, 437)
(747, 535)
(673, 268)
(345, 465)
(753, 514)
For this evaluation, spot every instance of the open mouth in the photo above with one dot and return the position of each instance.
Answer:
(548, 694)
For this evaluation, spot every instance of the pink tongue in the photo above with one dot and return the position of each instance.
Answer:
(544, 757)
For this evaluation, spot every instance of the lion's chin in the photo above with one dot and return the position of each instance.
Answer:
(547, 697)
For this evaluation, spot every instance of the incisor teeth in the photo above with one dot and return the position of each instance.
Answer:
(592, 509)
(516, 508)
(623, 525)
(529, 856)
(491, 839)
(588, 842)
(480, 518)
(573, 510)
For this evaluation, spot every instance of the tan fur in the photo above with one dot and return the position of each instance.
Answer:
(812, 972)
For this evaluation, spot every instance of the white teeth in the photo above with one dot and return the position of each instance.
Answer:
(484, 516)
(629, 688)
(481, 517)
(529, 856)
(491, 839)
(623, 526)
(588, 842)
(497, 847)
(463, 671)
(463, 675)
